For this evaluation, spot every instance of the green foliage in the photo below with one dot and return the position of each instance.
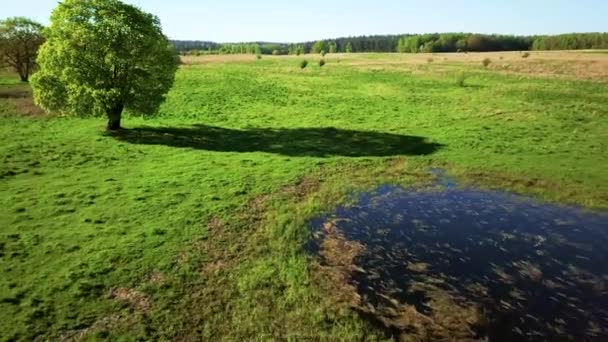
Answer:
(319, 47)
(429, 43)
(102, 56)
(571, 41)
(296, 49)
(321, 63)
(486, 62)
(348, 48)
(20, 39)
(303, 64)
(239, 49)
(276, 52)
(333, 47)
(323, 53)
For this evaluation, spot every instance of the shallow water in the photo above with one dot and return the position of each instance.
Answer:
(533, 271)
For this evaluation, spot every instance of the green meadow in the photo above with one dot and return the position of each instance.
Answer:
(191, 224)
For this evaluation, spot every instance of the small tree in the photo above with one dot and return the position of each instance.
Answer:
(348, 48)
(102, 56)
(20, 39)
(333, 47)
(319, 47)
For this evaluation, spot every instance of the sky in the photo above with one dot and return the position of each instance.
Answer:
(298, 21)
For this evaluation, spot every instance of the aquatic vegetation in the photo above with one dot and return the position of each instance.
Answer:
(438, 263)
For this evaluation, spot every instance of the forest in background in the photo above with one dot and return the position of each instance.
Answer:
(435, 42)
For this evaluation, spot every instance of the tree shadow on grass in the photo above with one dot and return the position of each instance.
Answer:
(311, 142)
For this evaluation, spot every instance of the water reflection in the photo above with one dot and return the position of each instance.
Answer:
(468, 264)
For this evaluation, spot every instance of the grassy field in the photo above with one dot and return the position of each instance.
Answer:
(190, 225)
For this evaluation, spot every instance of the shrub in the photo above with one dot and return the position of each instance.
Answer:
(276, 52)
(321, 63)
(525, 55)
(258, 56)
(429, 60)
(303, 64)
(486, 62)
(460, 79)
(323, 53)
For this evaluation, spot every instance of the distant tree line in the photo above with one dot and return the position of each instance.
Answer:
(460, 42)
(194, 47)
(573, 41)
(435, 42)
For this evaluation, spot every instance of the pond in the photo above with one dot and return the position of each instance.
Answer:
(466, 264)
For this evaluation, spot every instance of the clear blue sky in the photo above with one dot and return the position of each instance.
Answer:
(292, 20)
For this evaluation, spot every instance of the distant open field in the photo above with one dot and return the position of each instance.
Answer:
(191, 225)
(581, 64)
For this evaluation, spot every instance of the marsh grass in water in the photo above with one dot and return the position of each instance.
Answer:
(468, 264)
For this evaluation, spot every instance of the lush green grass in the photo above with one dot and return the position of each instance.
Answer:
(191, 224)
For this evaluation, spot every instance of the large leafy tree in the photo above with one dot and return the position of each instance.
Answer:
(20, 39)
(101, 57)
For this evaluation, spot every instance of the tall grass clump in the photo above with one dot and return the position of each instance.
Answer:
(303, 64)
(525, 55)
(429, 60)
(486, 62)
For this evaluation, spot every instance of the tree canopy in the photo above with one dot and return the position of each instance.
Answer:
(319, 47)
(103, 56)
(20, 39)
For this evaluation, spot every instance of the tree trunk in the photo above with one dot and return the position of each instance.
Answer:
(23, 73)
(114, 115)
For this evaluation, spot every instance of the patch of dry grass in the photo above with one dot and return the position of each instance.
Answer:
(564, 64)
